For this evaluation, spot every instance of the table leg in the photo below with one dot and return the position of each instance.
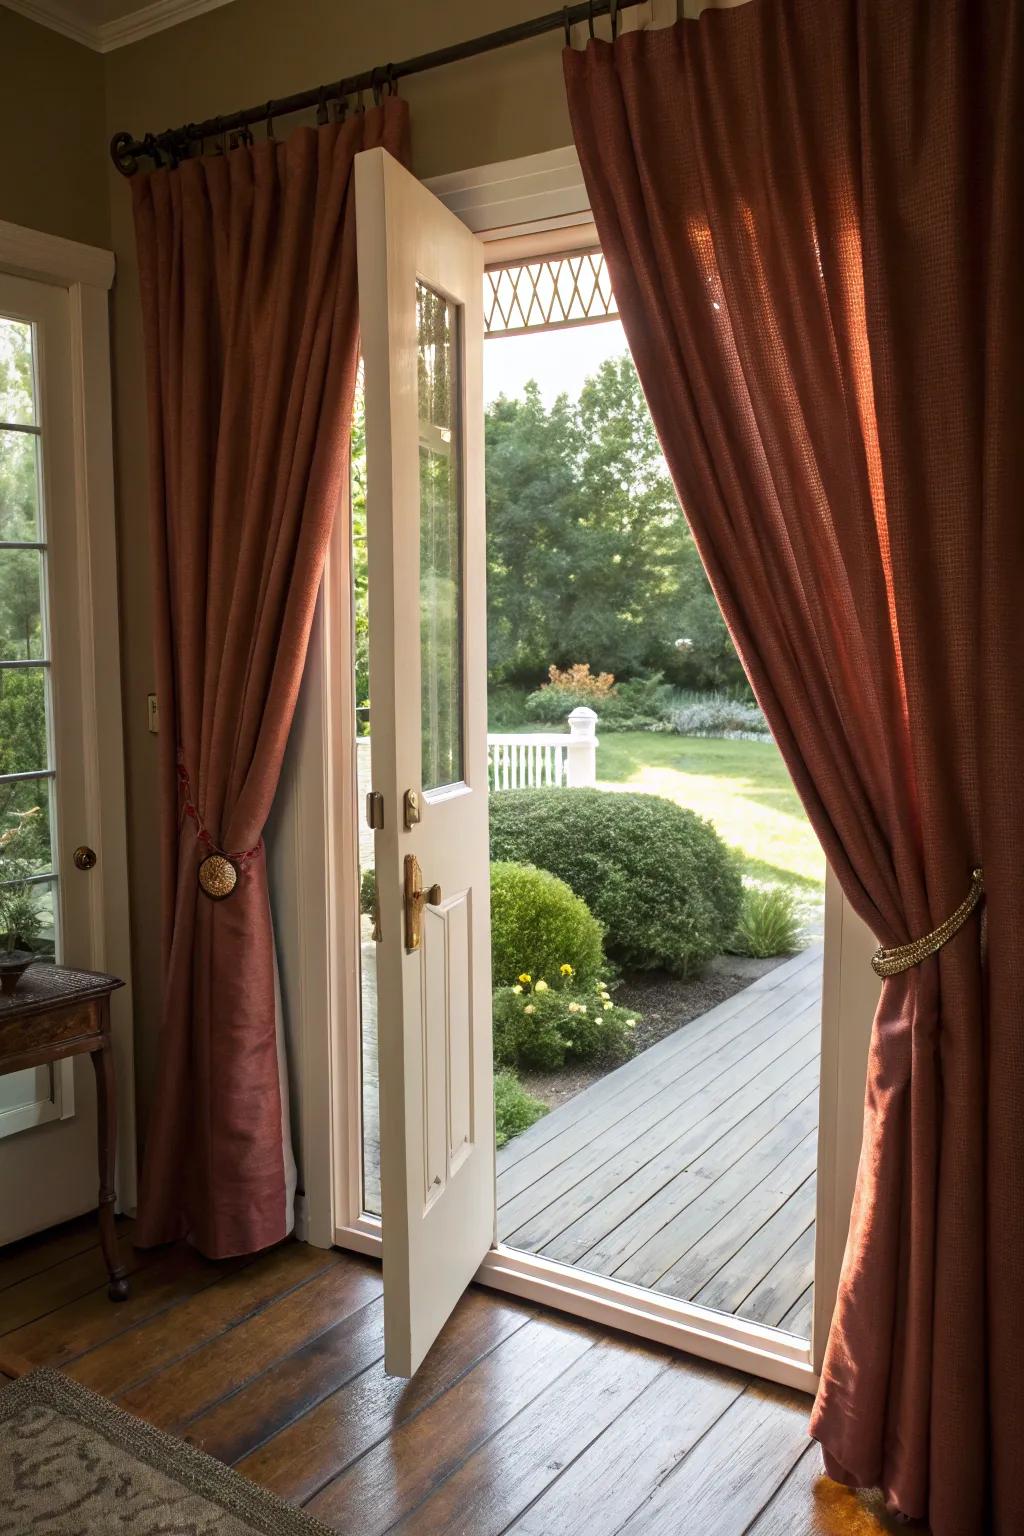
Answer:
(106, 1117)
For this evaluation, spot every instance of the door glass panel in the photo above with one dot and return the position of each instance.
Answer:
(28, 904)
(19, 485)
(437, 322)
(21, 605)
(17, 375)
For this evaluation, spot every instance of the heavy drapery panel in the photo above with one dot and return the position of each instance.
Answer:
(248, 276)
(813, 221)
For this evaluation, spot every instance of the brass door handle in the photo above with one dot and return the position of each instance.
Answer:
(415, 900)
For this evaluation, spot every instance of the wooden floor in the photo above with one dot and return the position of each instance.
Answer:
(691, 1169)
(519, 1420)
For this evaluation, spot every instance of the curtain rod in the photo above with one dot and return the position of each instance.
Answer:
(177, 143)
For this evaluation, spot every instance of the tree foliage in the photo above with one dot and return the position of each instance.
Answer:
(589, 556)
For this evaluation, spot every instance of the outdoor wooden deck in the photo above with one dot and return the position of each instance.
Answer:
(690, 1169)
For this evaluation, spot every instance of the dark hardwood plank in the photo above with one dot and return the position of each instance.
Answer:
(725, 1481)
(61, 1336)
(41, 1251)
(506, 1474)
(56, 1284)
(240, 1422)
(130, 1358)
(301, 1459)
(395, 1477)
(224, 1365)
(619, 1471)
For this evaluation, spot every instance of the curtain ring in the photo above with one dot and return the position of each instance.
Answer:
(375, 85)
(340, 109)
(321, 109)
(270, 118)
(613, 12)
(152, 149)
(392, 80)
(568, 26)
(590, 17)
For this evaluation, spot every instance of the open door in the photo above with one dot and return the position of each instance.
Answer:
(421, 286)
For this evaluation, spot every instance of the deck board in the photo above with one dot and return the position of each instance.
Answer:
(690, 1169)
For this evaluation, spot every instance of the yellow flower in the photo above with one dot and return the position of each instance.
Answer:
(566, 970)
(525, 978)
(606, 1007)
(529, 1008)
(517, 988)
(541, 986)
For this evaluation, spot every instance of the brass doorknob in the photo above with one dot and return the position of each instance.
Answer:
(84, 857)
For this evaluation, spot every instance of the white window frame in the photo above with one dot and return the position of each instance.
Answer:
(87, 273)
(522, 209)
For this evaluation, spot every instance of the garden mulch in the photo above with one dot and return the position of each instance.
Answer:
(663, 1004)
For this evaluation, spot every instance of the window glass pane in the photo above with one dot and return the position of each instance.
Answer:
(28, 917)
(17, 388)
(25, 846)
(23, 737)
(21, 605)
(19, 487)
(440, 539)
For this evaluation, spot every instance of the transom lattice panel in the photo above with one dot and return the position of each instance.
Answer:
(553, 292)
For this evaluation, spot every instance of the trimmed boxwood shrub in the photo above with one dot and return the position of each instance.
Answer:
(655, 874)
(538, 925)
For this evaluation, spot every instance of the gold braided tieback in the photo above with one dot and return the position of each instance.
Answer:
(900, 957)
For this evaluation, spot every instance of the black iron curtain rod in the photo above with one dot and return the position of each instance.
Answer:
(178, 143)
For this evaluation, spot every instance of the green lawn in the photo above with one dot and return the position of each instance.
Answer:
(742, 787)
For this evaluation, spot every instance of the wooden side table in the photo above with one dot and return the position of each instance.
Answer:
(54, 1013)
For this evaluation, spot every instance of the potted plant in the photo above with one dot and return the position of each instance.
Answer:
(19, 916)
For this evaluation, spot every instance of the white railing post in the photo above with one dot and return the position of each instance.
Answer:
(581, 751)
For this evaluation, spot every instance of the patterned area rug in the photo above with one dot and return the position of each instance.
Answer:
(74, 1464)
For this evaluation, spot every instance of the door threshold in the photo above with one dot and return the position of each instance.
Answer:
(725, 1340)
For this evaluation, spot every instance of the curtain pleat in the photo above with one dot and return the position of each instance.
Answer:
(813, 223)
(248, 277)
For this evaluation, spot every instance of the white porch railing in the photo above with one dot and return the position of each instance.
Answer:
(516, 761)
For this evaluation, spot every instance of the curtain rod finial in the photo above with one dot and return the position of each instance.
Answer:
(120, 153)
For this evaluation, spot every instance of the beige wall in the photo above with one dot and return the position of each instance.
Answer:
(504, 105)
(53, 167)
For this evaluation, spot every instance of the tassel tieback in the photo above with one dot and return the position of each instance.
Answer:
(891, 960)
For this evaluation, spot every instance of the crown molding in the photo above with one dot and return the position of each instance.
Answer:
(52, 259)
(104, 37)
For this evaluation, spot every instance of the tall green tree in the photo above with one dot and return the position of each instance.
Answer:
(589, 555)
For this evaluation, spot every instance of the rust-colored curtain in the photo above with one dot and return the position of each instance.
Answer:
(248, 275)
(813, 216)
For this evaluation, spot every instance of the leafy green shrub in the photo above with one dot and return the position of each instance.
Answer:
(658, 876)
(715, 714)
(515, 1110)
(538, 925)
(542, 1027)
(367, 891)
(769, 923)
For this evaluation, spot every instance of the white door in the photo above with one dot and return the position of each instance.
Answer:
(60, 734)
(421, 284)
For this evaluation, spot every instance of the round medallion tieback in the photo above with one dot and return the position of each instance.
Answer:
(219, 872)
(900, 957)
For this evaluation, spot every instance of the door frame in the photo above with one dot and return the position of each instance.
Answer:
(86, 273)
(523, 208)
